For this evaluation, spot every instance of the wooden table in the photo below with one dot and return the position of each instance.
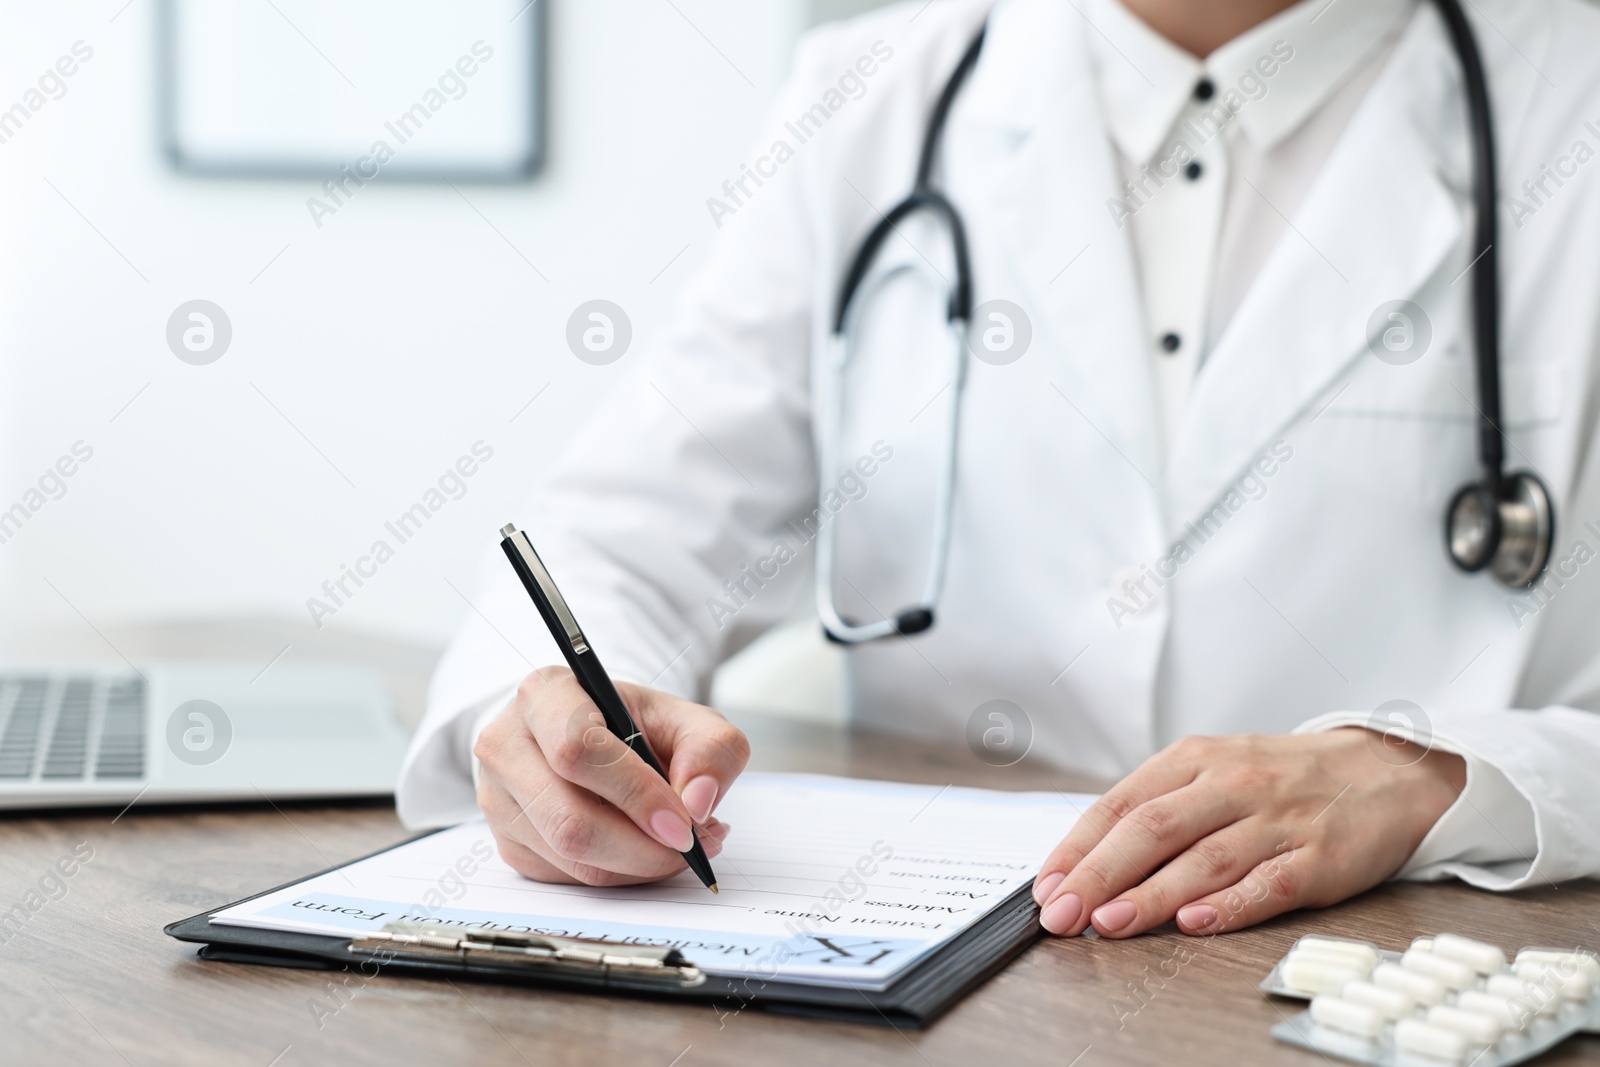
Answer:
(90, 979)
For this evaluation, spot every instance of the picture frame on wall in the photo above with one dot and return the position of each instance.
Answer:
(408, 90)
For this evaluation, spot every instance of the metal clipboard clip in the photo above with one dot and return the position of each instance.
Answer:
(502, 951)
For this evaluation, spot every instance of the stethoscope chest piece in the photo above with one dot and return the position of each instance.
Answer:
(1511, 535)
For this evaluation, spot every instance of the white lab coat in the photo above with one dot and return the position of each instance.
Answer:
(1320, 589)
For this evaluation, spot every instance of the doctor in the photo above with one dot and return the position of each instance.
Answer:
(1218, 395)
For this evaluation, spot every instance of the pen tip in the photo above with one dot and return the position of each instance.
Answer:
(713, 887)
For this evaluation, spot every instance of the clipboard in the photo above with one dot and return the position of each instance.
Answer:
(914, 999)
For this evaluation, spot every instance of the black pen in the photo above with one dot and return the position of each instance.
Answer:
(591, 675)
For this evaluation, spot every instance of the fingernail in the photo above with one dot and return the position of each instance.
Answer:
(718, 830)
(671, 830)
(1062, 914)
(1197, 916)
(1043, 887)
(1115, 915)
(699, 796)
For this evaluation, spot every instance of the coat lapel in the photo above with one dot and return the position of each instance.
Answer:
(1377, 225)
(1044, 189)
(1388, 209)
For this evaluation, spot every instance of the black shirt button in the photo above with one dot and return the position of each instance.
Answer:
(1170, 341)
(1193, 171)
(1204, 89)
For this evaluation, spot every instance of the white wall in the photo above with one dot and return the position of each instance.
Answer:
(826, 10)
(402, 331)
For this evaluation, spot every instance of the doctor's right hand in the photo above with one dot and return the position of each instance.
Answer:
(568, 802)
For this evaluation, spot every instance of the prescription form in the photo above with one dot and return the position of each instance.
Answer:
(827, 881)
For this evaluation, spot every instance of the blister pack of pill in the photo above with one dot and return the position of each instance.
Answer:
(1447, 999)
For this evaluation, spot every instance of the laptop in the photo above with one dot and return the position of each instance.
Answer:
(194, 733)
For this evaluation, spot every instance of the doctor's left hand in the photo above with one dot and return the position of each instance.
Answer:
(1221, 833)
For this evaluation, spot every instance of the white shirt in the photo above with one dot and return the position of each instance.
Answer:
(1216, 156)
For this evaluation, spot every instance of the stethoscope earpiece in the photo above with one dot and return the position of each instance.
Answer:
(914, 621)
(1511, 535)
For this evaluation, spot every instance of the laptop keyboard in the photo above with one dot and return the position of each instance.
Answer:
(71, 728)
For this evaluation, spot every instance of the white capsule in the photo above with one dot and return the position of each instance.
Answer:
(1513, 1014)
(1327, 959)
(1339, 1014)
(1309, 975)
(1483, 1029)
(1423, 944)
(1582, 958)
(1356, 953)
(1541, 1001)
(1309, 960)
(1453, 973)
(1570, 981)
(1479, 955)
(1419, 987)
(1393, 1003)
(1425, 1039)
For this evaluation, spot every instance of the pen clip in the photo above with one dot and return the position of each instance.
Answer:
(524, 549)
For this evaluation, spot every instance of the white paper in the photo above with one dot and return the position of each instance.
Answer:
(830, 881)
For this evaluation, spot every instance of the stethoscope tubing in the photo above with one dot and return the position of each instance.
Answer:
(1495, 487)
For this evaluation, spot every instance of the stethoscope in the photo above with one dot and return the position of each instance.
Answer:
(1503, 521)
